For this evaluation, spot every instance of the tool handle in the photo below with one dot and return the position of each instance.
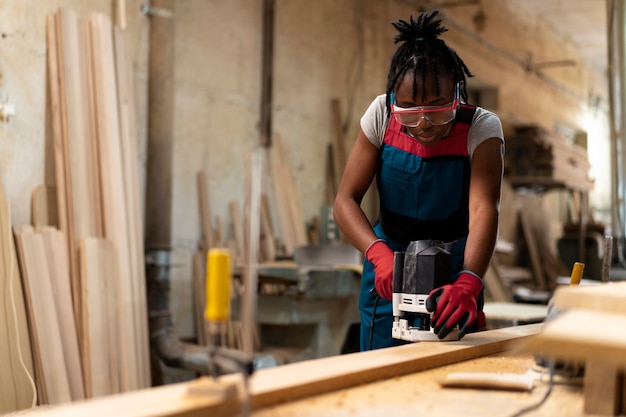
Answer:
(218, 279)
(577, 273)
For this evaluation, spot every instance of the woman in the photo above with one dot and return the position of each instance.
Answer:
(438, 166)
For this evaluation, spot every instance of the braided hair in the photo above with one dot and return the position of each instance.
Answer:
(422, 52)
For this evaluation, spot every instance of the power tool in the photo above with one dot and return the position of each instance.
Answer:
(424, 266)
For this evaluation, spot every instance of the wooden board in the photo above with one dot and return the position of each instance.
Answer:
(101, 315)
(282, 206)
(16, 391)
(237, 232)
(120, 226)
(608, 298)
(304, 379)
(268, 244)
(515, 312)
(59, 272)
(52, 381)
(420, 394)
(205, 212)
(199, 297)
(252, 211)
(130, 165)
(587, 335)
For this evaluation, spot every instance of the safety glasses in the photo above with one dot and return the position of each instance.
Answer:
(434, 115)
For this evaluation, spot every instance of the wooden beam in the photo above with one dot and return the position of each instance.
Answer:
(299, 380)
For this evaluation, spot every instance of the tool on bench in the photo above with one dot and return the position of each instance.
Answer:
(424, 266)
(222, 360)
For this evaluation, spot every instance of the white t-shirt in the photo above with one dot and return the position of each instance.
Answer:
(485, 125)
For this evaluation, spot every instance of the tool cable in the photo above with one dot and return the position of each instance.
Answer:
(373, 291)
(14, 310)
(545, 396)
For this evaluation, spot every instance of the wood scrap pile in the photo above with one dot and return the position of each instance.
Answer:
(84, 283)
(534, 153)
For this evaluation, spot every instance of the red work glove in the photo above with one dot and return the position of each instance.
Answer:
(455, 304)
(381, 256)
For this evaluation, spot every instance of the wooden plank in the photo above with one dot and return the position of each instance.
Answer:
(199, 297)
(282, 205)
(219, 232)
(44, 208)
(517, 313)
(52, 381)
(608, 298)
(252, 210)
(58, 268)
(298, 224)
(304, 379)
(130, 161)
(205, 212)
(58, 110)
(101, 311)
(588, 335)
(268, 244)
(119, 226)
(238, 231)
(16, 390)
(602, 388)
(93, 128)
(119, 7)
(75, 93)
(81, 190)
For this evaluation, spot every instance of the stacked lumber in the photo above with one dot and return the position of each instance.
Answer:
(46, 279)
(536, 156)
(92, 115)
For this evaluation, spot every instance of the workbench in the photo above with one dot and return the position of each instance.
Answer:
(419, 394)
(390, 381)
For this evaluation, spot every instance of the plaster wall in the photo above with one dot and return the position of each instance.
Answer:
(323, 50)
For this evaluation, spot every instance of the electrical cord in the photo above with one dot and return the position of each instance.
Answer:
(373, 291)
(545, 396)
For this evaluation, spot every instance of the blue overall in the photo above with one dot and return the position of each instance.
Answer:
(424, 194)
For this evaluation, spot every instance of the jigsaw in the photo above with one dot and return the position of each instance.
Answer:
(424, 266)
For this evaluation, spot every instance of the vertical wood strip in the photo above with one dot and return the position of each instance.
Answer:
(205, 212)
(58, 268)
(16, 392)
(98, 265)
(115, 209)
(130, 158)
(252, 212)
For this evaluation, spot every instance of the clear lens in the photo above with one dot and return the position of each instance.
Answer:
(436, 118)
